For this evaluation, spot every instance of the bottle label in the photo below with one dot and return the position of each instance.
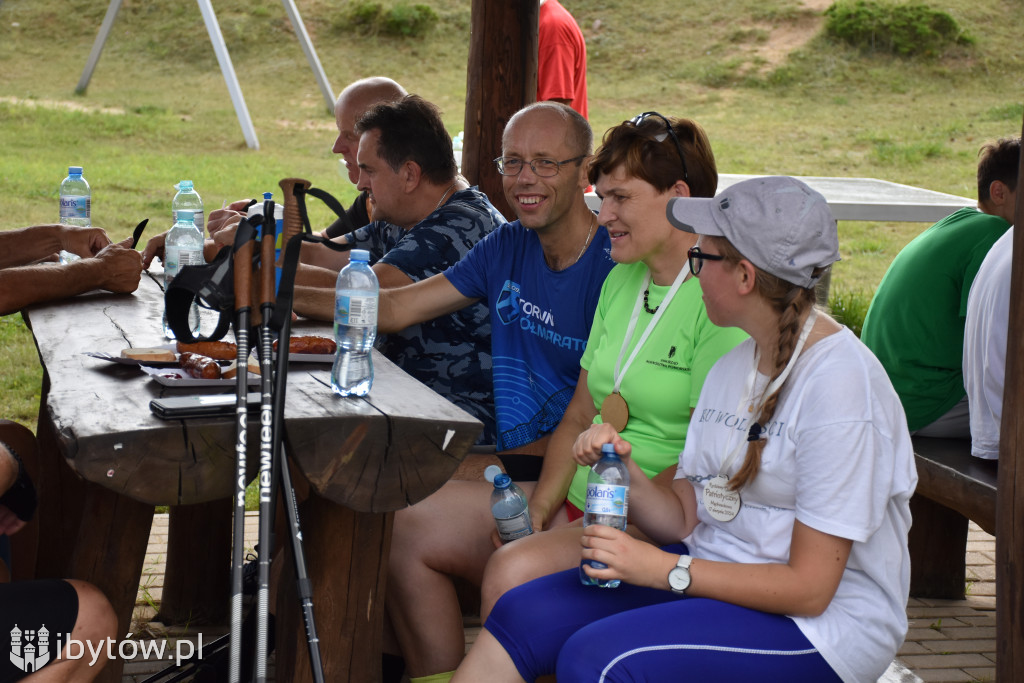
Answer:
(190, 257)
(606, 499)
(75, 207)
(512, 528)
(170, 263)
(176, 257)
(356, 311)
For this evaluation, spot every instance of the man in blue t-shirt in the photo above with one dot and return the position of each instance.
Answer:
(540, 278)
(426, 219)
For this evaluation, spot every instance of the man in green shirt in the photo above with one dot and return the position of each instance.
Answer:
(915, 325)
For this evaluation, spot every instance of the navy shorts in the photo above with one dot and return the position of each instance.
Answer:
(555, 624)
(35, 619)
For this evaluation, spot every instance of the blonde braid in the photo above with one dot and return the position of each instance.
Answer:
(790, 302)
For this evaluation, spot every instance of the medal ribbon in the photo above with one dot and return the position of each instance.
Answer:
(620, 369)
(748, 388)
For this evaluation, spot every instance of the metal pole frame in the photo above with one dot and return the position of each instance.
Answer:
(307, 47)
(223, 59)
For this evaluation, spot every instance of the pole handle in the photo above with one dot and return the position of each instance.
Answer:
(242, 265)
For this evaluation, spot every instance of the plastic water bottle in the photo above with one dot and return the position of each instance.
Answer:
(607, 503)
(187, 198)
(508, 505)
(75, 205)
(355, 326)
(75, 199)
(182, 247)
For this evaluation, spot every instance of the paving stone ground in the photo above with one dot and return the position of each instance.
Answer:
(948, 641)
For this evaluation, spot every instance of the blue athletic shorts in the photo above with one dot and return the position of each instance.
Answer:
(557, 625)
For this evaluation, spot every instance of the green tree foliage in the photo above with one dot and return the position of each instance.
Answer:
(907, 30)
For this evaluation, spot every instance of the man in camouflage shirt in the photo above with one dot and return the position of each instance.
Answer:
(426, 217)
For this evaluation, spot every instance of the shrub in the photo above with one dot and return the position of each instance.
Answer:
(409, 20)
(908, 30)
(402, 20)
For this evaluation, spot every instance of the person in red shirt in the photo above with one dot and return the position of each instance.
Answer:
(562, 58)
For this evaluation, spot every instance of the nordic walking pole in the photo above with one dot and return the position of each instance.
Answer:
(267, 455)
(243, 302)
(282, 322)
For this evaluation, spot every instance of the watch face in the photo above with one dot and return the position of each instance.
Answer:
(679, 579)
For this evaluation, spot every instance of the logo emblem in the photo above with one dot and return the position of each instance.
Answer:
(507, 305)
(30, 650)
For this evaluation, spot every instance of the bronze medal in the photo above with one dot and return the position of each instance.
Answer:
(614, 411)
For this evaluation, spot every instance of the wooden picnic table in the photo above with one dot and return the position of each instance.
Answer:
(363, 459)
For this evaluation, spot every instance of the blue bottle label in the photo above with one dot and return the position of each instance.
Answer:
(75, 207)
(606, 499)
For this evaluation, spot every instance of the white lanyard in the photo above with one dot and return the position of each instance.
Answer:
(620, 369)
(769, 390)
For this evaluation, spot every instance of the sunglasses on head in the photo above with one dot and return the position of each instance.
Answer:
(640, 118)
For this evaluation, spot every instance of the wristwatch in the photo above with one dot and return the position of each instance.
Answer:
(679, 577)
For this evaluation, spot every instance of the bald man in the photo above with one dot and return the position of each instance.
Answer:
(354, 101)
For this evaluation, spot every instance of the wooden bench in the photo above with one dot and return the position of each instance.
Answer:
(953, 488)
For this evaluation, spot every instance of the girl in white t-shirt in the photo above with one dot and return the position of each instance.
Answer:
(787, 521)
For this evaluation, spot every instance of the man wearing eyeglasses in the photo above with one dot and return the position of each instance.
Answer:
(540, 277)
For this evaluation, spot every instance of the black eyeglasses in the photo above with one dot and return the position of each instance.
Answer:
(698, 257)
(638, 119)
(545, 168)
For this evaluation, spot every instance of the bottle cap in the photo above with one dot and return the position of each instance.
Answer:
(74, 170)
(359, 255)
(184, 186)
(502, 481)
(608, 449)
(491, 472)
(268, 195)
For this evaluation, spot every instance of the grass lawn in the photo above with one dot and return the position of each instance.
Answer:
(774, 93)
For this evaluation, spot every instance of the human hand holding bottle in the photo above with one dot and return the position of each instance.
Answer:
(587, 448)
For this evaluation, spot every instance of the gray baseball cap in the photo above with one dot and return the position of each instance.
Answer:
(777, 222)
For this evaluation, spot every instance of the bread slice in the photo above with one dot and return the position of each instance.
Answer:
(231, 371)
(149, 355)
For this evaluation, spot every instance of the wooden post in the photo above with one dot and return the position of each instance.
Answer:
(197, 579)
(501, 79)
(110, 552)
(347, 568)
(1010, 497)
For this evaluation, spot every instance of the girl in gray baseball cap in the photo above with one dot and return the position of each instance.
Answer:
(784, 533)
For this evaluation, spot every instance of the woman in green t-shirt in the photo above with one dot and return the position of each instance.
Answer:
(651, 344)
